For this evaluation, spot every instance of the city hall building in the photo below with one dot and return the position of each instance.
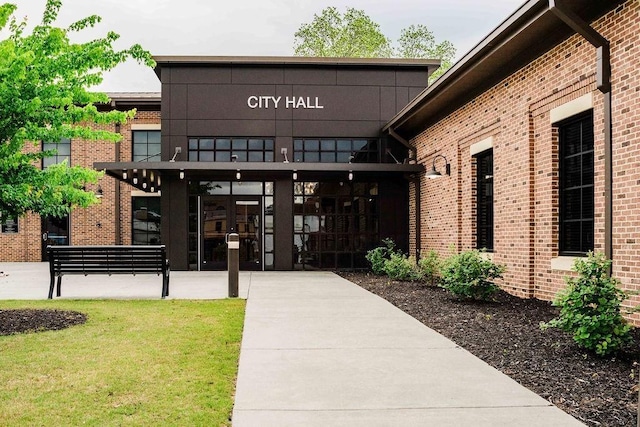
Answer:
(532, 136)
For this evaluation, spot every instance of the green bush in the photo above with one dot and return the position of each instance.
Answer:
(429, 267)
(379, 255)
(590, 307)
(469, 275)
(401, 267)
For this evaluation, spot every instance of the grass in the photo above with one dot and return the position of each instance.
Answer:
(133, 363)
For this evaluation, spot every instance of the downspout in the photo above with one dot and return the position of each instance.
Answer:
(117, 208)
(416, 182)
(603, 80)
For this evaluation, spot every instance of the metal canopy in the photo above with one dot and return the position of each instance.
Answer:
(150, 174)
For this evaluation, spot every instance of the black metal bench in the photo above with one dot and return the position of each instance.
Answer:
(85, 260)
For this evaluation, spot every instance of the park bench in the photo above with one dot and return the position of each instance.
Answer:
(118, 259)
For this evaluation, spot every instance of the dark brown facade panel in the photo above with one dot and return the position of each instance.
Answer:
(174, 222)
(414, 91)
(223, 102)
(178, 101)
(402, 96)
(242, 75)
(366, 77)
(169, 143)
(335, 129)
(284, 128)
(283, 224)
(305, 76)
(175, 127)
(337, 102)
(284, 91)
(200, 75)
(412, 78)
(257, 128)
(388, 105)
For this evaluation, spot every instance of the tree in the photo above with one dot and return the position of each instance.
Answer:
(44, 96)
(355, 35)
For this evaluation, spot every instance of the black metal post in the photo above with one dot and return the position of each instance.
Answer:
(233, 263)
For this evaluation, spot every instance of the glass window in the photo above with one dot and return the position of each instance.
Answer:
(336, 151)
(62, 152)
(576, 185)
(231, 149)
(484, 200)
(146, 145)
(145, 223)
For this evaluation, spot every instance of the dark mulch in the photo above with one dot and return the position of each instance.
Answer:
(29, 320)
(506, 334)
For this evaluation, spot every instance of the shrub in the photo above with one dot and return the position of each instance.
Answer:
(469, 275)
(429, 267)
(401, 267)
(379, 255)
(590, 307)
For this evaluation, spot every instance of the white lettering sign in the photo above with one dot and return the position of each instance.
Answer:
(295, 102)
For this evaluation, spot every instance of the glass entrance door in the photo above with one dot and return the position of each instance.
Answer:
(223, 215)
(247, 213)
(55, 231)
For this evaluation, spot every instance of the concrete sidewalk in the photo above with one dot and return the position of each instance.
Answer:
(30, 280)
(318, 350)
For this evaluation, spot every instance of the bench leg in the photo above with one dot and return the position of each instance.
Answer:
(51, 285)
(165, 285)
(58, 287)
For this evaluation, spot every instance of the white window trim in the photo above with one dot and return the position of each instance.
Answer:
(145, 126)
(138, 193)
(480, 146)
(571, 108)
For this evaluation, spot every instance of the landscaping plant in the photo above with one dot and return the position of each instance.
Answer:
(401, 267)
(379, 255)
(469, 275)
(590, 307)
(429, 267)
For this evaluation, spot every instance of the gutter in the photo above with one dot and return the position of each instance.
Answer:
(603, 80)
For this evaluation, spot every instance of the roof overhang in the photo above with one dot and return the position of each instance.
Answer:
(295, 62)
(528, 33)
(149, 172)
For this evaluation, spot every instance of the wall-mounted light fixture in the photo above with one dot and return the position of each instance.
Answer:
(124, 174)
(433, 173)
(181, 173)
(350, 176)
(238, 175)
(135, 176)
(177, 150)
(99, 192)
(295, 175)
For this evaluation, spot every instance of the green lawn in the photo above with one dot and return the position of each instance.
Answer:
(133, 363)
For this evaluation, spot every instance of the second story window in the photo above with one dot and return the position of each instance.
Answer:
(336, 150)
(63, 152)
(146, 145)
(231, 149)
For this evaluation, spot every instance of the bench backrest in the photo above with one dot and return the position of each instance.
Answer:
(117, 259)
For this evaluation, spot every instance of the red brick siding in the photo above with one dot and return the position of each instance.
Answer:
(95, 225)
(525, 145)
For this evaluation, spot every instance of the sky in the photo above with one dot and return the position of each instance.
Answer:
(255, 27)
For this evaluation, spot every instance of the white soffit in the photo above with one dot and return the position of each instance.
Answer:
(479, 147)
(571, 108)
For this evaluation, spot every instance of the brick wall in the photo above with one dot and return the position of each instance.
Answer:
(95, 225)
(516, 115)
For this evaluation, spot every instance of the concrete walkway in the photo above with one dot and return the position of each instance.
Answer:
(318, 350)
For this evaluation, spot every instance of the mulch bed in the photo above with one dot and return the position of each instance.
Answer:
(506, 334)
(29, 320)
